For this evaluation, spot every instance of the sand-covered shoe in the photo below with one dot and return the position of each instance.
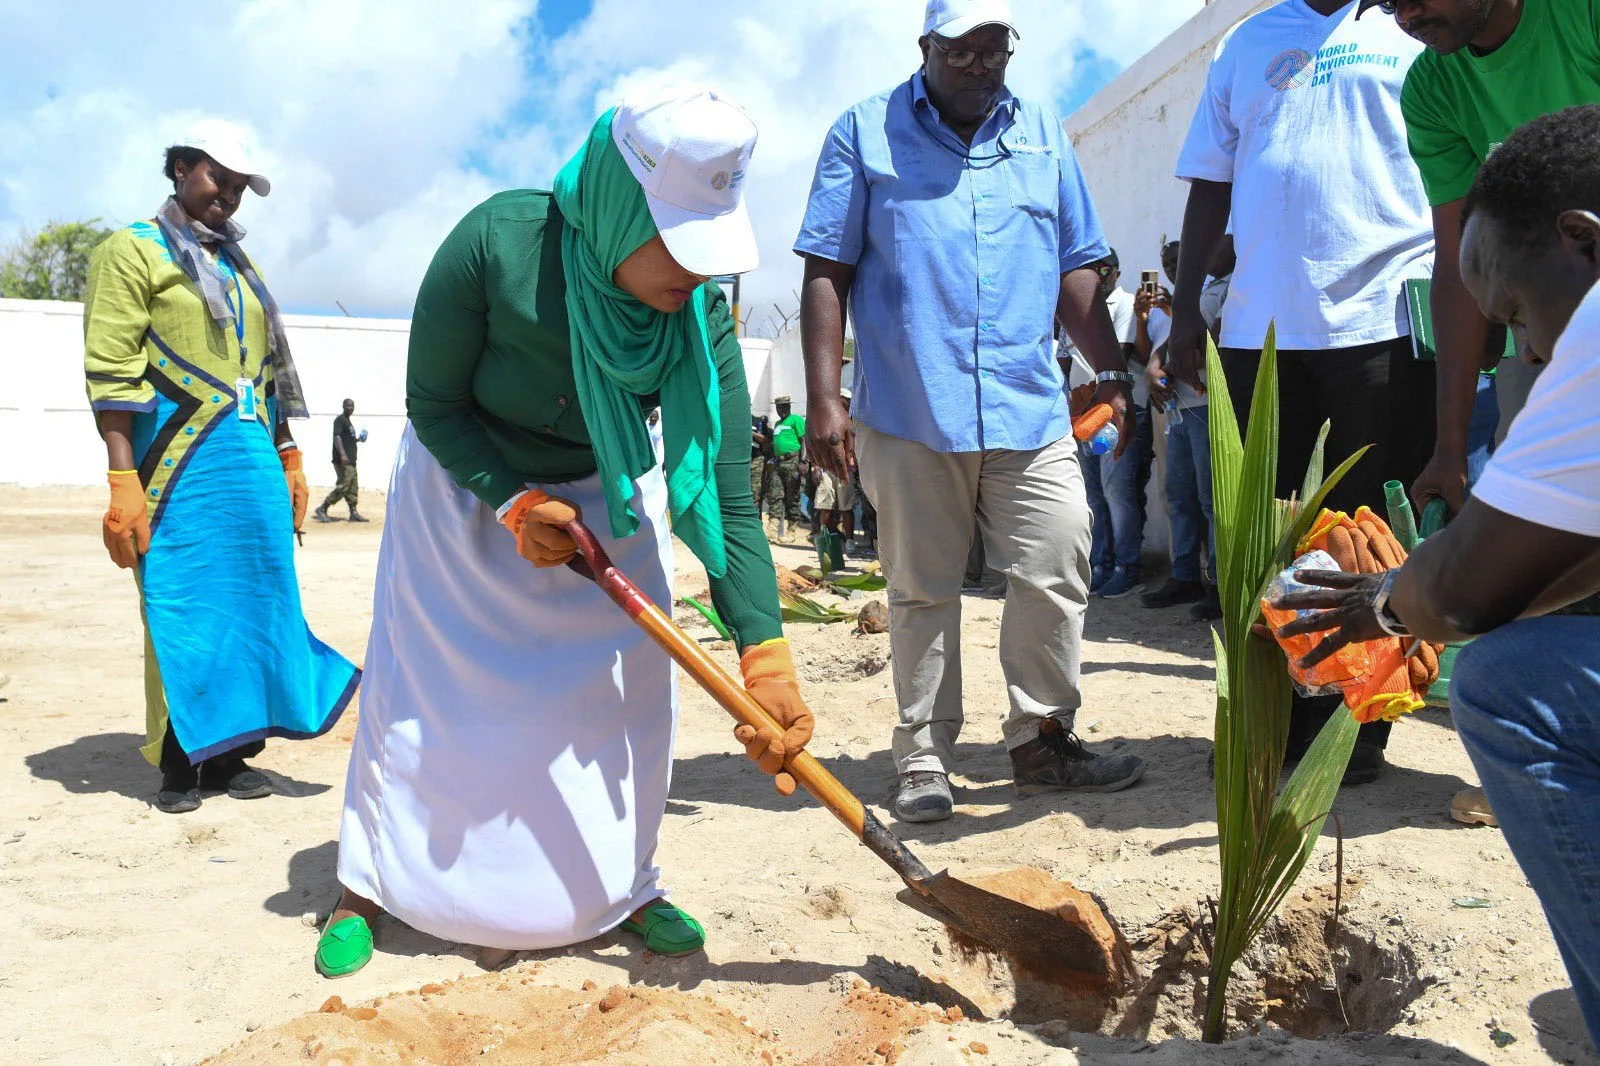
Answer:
(1056, 760)
(668, 930)
(345, 947)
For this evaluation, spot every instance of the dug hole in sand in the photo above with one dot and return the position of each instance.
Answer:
(141, 938)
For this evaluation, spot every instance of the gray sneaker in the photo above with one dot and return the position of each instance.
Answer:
(924, 796)
(1057, 761)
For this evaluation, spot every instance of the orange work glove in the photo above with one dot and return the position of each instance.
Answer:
(536, 520)
(1361, 545)
(768, 671)
(294, 475)
(126, 526)
(1394, 685)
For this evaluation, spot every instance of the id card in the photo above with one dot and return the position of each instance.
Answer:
(245, 390)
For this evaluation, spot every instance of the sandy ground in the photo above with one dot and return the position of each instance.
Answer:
(136, 937)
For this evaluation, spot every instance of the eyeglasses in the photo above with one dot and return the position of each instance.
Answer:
(1105, 270)
(962, 58)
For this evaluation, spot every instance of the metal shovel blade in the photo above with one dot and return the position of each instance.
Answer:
(1066, 939)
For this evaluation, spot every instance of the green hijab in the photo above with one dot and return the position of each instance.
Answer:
(622, 349)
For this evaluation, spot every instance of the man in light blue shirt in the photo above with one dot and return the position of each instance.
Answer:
(953, 219)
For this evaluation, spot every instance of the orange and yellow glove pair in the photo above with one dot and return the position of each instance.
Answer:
(769, 677)
(538, 521)
(1396, 684)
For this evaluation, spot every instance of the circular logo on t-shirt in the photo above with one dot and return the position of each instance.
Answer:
(721, 180)
(1289, 70)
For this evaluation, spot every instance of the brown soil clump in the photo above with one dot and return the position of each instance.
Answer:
(1100, 959)
(791, 582)
(485, 1020)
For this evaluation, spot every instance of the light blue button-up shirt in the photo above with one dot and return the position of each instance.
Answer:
(959, 254)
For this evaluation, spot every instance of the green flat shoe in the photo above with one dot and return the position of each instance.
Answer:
(345, 947)
(668, 930)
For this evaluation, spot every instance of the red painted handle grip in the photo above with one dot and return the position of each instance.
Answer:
(593, 563)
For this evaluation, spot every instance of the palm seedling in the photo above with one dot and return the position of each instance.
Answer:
(1264, 836)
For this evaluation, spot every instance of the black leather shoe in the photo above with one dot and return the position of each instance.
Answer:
(1209, 609)
(240, 781)
(1367, 764)
(180, 791)
(1173, 593)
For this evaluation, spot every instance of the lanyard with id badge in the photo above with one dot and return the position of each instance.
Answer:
(244, 389)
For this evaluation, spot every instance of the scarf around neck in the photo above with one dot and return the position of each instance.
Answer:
(622, 350)
(184, 236)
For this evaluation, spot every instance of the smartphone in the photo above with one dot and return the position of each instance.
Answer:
(1150, 281)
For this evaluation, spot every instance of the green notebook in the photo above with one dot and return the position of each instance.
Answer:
(1421, 308)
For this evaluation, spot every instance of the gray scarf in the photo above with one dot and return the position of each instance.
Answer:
(184, 236)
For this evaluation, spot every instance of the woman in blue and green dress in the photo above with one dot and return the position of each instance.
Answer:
(192, 385)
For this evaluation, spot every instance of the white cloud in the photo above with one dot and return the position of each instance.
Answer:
(387, 120)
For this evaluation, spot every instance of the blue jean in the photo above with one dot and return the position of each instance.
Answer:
(1188, 481)
(1526, 702)
(1115, 500)
(1481, 430)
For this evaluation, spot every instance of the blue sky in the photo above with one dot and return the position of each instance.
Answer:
(557, 16)
(384, 121)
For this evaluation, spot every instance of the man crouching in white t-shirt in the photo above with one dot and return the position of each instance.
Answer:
(1526, 694)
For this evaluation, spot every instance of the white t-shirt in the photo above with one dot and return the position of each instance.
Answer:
(1301, 112)
(1126, 327)
(1548, 470)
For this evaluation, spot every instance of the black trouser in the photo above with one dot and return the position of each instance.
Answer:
(175, 761)
(1376, 394)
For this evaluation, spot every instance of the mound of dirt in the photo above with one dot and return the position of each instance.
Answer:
(507, 1020)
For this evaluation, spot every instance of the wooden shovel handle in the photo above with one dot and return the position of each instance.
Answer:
(593, 563)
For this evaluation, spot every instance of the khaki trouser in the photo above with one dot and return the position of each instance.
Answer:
(787, 474)
(1031, 509)
(348, 488)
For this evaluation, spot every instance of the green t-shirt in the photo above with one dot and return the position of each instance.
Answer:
(491, 393)
(787, 435)
(1459, 108)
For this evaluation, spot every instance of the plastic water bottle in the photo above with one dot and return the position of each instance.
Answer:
(1171, 409)
(1104, 441)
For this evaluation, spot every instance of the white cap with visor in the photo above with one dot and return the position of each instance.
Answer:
(957, 18)
(690, 149)
(223, 143)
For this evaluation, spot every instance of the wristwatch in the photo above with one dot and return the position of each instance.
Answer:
(1388, 621)
(1115, 375)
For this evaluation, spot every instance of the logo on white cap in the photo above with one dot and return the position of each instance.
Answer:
(690, 150)
(957, 18)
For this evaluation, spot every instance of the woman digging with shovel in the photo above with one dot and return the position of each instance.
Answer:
(510, 771)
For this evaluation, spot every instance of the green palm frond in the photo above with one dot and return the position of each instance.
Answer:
(797, 608)
(1264, 837)
(849, 583)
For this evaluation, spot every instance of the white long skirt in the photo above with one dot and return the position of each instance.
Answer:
(511, 765)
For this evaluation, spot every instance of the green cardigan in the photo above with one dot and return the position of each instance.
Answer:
(490, 388)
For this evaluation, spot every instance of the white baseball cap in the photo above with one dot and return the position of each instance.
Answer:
(223, 142)
(957, 18)
(690, 149)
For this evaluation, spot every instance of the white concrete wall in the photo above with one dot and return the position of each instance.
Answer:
(47, 436)
(1127, 136)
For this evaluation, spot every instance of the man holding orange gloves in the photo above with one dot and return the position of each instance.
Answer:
(1513, 569)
